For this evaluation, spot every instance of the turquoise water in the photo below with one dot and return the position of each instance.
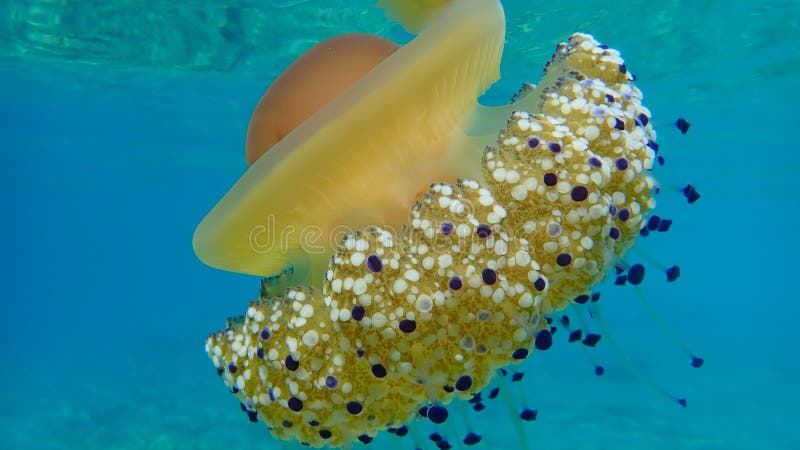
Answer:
(122, 123)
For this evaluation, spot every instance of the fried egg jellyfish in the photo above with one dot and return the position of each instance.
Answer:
(515, 225)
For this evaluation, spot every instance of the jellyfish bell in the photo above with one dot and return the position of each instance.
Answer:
(362, 157)
(309, 83)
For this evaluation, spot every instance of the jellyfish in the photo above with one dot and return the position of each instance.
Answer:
(467, 227)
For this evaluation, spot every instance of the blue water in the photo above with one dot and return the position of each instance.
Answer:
(122, 123)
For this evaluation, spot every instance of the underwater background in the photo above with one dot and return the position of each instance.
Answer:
(123, 122)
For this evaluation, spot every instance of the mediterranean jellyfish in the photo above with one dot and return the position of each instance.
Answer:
(464, 241)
